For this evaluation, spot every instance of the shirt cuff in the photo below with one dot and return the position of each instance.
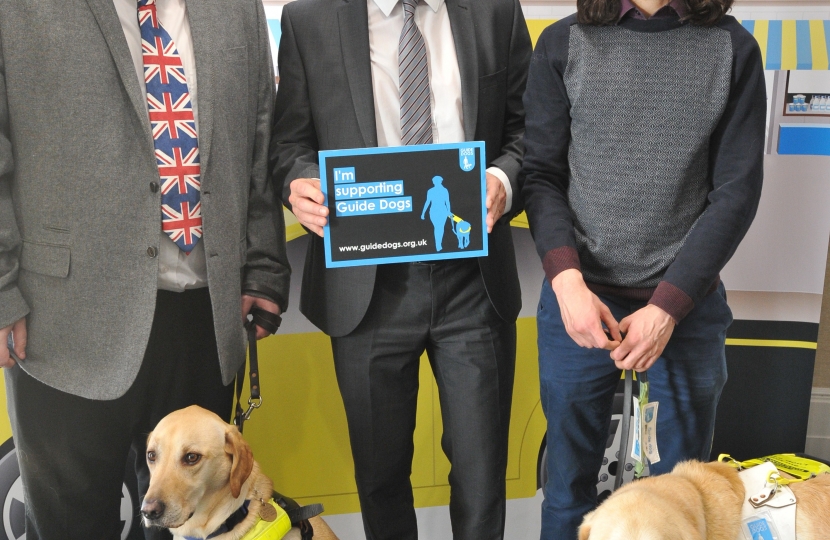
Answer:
(560, 259)
(672, 300)
(500, 174)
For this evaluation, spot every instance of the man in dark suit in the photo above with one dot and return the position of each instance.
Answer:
(364, 73)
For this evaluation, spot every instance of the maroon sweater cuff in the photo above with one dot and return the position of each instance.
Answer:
(560, 259)
(672, 300)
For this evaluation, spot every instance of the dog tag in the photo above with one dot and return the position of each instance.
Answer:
(267, 512)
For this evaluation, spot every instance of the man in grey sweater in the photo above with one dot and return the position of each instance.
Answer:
(645, 132)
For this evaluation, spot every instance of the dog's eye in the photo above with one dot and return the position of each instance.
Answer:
(151, 456)
(192, 458)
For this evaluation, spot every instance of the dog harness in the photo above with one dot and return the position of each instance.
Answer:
(271, 530)
(769, 507)
(274, 529)
(768, 512)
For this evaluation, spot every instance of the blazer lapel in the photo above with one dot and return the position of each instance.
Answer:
(464, 35)
(201, 30)
(353, 17)
(108, 22)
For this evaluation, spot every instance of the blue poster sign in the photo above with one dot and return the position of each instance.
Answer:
(404, 204)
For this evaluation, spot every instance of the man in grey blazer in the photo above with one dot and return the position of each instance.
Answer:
(134, 232)
(347, 80)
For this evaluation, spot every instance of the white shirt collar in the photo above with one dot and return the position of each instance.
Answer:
(386, 6)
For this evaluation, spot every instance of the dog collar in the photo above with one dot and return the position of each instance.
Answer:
(262, 530)
(232, 521)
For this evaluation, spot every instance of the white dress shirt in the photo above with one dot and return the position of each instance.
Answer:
(385, 25)
(177, 270)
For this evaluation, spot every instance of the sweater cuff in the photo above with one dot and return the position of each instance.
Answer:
(266, 293)
(672, 300)
(560, 259)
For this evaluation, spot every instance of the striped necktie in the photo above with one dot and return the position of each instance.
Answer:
(416, 116)
(174, 131)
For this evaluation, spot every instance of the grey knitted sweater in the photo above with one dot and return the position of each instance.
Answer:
(644, 154)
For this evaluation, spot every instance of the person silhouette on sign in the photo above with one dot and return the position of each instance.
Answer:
(439, 212)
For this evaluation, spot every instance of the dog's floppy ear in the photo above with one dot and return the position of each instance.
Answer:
(243, 459)
(585, 528)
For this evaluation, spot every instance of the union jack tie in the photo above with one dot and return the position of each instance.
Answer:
(174, 131)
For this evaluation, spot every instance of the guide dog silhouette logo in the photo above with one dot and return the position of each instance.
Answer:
(462, 230)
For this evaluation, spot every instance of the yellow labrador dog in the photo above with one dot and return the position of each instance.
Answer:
(201, 472)
(697, 501)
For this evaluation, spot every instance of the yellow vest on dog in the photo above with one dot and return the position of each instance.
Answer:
(270, 530)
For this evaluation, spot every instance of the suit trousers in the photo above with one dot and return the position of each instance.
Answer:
(443, 309)
(72, 450)
(578, 387)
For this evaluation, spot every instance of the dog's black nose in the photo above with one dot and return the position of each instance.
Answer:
(152, 509)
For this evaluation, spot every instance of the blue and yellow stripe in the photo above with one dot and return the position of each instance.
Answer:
(792, 44)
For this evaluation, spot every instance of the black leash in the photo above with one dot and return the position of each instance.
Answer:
(622, 454)
(270, 322)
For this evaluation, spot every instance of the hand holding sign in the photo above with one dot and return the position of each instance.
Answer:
(496, 201)
(307, 204)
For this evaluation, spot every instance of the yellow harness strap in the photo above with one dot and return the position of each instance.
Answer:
(798, 468)
(270, 530)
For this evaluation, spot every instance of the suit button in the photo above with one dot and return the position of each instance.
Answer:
(152, 251)
(154, 187)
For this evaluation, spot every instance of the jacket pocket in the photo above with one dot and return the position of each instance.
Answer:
(492, 80)
(46, 259)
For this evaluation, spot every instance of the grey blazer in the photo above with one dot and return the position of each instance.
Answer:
(79, 222)
(325, 101)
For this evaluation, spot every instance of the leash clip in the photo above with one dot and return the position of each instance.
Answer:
(270, 322)
(252, 404)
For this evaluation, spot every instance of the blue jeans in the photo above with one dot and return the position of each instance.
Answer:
(578, 387)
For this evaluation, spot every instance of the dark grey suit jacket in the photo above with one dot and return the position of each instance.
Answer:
(77, 213)
(325, 101)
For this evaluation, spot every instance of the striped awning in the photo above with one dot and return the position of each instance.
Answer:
(784, 44)
(792, 44)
